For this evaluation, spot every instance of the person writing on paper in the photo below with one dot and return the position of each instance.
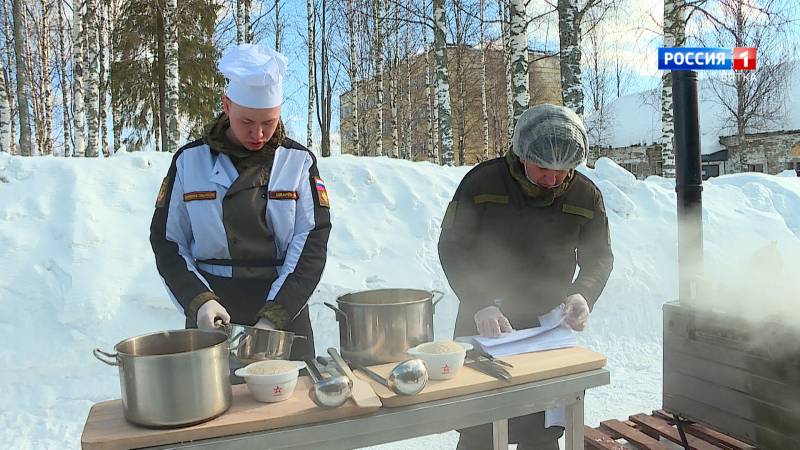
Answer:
(242, 220)
(512, 238)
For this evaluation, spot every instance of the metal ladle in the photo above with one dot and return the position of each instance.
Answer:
(328, 392)
(407, 378)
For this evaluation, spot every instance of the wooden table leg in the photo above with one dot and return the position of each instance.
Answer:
(574, 424)
(500, 434)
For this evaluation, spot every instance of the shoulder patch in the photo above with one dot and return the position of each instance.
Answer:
(450, 215)
(578, 211)
(199, 195)
(161, 200)
(322, 193)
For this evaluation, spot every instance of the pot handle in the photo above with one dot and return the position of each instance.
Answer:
(99, 355)
(338, 311)
(441, 296)
(239, 339)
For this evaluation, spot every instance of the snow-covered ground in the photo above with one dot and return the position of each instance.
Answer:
(77, 271)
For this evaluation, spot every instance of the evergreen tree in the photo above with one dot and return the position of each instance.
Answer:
(139, 77)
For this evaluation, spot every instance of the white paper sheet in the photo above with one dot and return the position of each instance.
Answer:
(552, 333)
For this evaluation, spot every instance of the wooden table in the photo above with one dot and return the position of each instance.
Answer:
(394, 424)
(492, 401)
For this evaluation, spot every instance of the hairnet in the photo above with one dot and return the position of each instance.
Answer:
(550, 136)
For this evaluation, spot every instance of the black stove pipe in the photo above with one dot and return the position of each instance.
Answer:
(688, 186)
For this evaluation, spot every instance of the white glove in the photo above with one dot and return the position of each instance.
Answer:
(210, 312)
(491, 322)
(576, 312)
(265, 324)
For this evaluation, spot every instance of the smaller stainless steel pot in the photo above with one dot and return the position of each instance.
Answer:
(378, 326)
(250, 344)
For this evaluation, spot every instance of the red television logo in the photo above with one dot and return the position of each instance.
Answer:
(744, 58)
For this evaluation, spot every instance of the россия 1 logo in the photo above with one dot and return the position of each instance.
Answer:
(707, 58)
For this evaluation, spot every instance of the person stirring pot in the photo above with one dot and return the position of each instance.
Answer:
(242, 220)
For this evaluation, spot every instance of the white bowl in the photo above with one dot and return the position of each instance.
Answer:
(273, 387)
(442, 366)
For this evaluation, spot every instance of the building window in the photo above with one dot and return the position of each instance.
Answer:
(755, 168)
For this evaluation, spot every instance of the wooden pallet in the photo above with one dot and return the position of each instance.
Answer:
(646, 431)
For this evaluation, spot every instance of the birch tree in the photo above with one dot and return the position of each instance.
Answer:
(102, 33)
(394, 72)
(442, 84)
(78, 112)
(92, 79)
(505, 22)
(248, 21)
(5, 115)
(569, 31)
(45, 79)
(378, 50)
(62, 71)
(458, 9)
(278, 26)
(113, 51)
(674, 36)
(22, 79)
(244, 28)
(312, 43)
(8, 75)
(325, 88)
(351, 72)
(172, 80)
(518, 38)
(240, 21)
(408, 115)
(34, 75)
(484, 112)
(433, 114)
(31, 79)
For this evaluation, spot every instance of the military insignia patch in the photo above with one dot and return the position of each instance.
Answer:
(283, 195)
(322, 193)
(161, 200)
(199, 195)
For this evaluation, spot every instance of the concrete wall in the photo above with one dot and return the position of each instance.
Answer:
(640, 160)
(771, 152)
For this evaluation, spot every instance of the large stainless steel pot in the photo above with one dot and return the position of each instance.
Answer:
(172, 378)
(250, 344)
(378, 326)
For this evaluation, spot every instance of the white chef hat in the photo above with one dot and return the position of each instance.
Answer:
(255, 75)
